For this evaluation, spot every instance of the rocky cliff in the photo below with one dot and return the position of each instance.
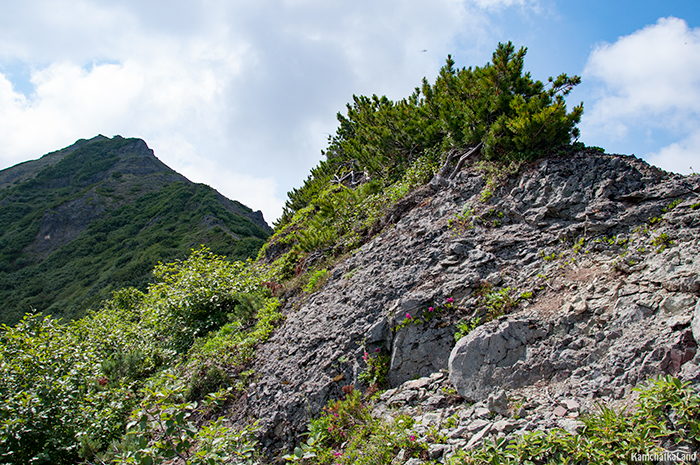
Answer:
(570, 281)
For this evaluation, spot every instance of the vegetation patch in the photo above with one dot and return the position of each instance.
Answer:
(155, 357)
(667, 410)
(383, 149)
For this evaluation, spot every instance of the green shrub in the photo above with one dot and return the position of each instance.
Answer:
(201, 294)
(466, 327)
(515, 117)
(125, 367)
(377, 369)
(205, 380)
(163, 429)
(52, 397)
(346, 433)
(316, 280)
(67, 389)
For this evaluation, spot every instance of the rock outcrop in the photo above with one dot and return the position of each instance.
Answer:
(580, 275)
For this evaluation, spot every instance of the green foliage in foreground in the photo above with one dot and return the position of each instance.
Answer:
(68, 390)
(667, 411)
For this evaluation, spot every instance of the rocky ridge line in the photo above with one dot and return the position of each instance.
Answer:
(607, 245)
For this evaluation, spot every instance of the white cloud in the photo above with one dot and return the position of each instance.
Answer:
(654, 70)
(649, 87)
(239, 95)
(680, 157)
(495, 4)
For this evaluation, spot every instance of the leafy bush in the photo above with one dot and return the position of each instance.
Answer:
(316, 280)
(124, 367)
(52, 398)
(205, 380)
(201, 294)
(377, 369)
(68, 389)
(346, 433)
(466, 327)
(163, 430)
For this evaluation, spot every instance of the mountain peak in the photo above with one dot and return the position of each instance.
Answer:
(110, 206)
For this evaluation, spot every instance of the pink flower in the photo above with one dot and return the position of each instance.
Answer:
(450, 300)
(364, 357)
(408, 316)
(377, 349)
(430, 309)
(337, 454)
(412, 438)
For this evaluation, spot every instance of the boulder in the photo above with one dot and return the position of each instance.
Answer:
(488, 356)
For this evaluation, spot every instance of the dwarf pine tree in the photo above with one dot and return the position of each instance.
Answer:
(498, 106)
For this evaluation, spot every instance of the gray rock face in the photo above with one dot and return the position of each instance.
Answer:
(608, 247)
(696, 322)
(419, 351)
(492, 356)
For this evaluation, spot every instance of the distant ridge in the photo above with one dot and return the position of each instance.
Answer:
(96, 216)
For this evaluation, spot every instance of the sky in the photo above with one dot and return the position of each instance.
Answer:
(242, 95)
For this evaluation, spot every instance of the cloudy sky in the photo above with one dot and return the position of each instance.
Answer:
(242, 94)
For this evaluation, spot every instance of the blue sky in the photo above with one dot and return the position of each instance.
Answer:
(242, 94)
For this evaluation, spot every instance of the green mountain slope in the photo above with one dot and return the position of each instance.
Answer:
(97, 216)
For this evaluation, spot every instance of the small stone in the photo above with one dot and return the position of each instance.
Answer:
(417, 383)
(579, 305)
(498, 402)
(477, 438)
(477, 425)
(387, 394)
(570, 425)
(504, 426)
(435, 451)
(520, 412)
(677, 303)
(460, 432)
(434, 401)
(560, 411)
(430, 419)
(403, 397)
(571, 404)
(399, 457)
(482, 412)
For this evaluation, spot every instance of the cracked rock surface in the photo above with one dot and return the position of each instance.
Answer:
(598, 254)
